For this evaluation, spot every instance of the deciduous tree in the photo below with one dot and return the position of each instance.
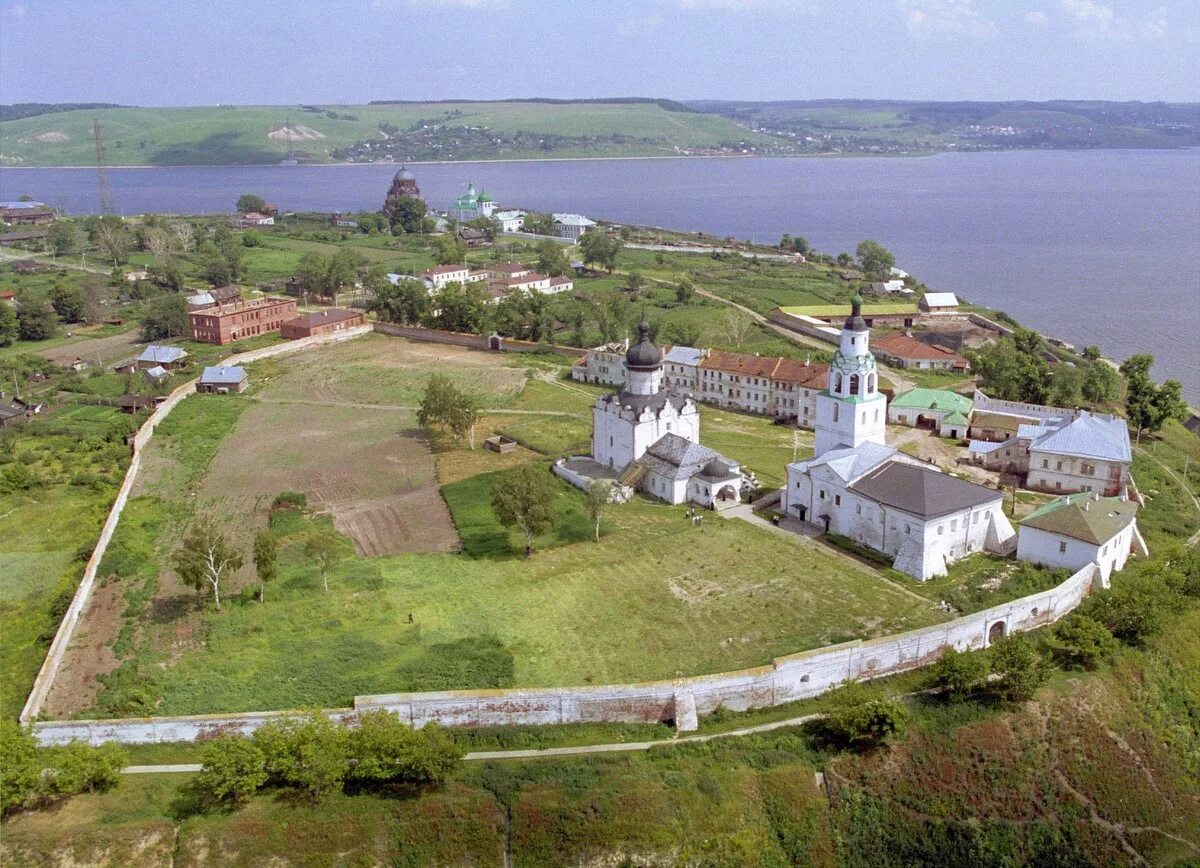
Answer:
(67, 301)
(1099, 384)
(385, 750)
(206, 558)
(63, 237)
(960, 674)
(8, 325)
(1018, 668)
(308, 753)
(248, 202)
(1147, 405)
(164, 317)
(266, 560)
(551, 259)
(596, 500)
(233, 768)
(524, 498)
(685, 290)
(874, 259)
(36, 321)
(405, 214)
(324, 547)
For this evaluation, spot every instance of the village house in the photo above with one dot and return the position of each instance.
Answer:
(530, 282)
(221, 380)
(1080, 529)
(438, 276)
(11, 414)
(938, 303)
(321, 322)
(27, 238)
(886, 287)
(252, 219)
(905, 351)
(572, 226)
(1079, 452)
(223, 323)
(560, 284)
(25, 214)
(859, 487)
(471, 237)
(510, 221)
(937, 409)
(134, 403)
(158, 355)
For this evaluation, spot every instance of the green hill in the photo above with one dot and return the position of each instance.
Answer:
(223, 135)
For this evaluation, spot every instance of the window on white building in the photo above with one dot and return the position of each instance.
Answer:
(953, 524)
(941, 529)
(1062, 548)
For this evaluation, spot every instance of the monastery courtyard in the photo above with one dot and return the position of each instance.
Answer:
(657, 597)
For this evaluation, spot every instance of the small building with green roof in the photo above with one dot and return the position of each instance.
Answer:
(937, 409)
(1075, 530)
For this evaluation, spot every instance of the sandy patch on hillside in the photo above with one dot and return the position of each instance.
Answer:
(52, 136)
(297, 132)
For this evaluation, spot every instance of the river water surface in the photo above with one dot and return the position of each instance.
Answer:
(1095, 247)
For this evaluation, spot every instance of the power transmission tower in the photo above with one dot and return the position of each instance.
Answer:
(107, 206)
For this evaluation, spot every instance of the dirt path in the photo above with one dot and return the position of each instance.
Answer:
(550, 752)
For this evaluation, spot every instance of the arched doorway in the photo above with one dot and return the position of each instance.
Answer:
(727, 494)
(996, 632)
(494, 342)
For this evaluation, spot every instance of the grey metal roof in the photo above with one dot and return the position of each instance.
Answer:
(922, 491)
(849, 462)
(223, 375)
(684, 356)
(679, 458)
(161, 355)
(157, 372)
(1089, 436)
(639, 403)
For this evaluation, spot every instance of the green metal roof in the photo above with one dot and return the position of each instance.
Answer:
(955, 418)
(933, 399)
(828, 310)
(1084, 516)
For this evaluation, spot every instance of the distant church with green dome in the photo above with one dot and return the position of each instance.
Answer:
(472, 205)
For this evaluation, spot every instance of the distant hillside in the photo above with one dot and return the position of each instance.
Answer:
(413, 131)
(888, 126)
(31, 109)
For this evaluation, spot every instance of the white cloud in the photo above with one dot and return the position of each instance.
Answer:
(1089, 16)
(1037, 16)
(1155, 28)
(711, 5)
(926, 18)
(457, 4)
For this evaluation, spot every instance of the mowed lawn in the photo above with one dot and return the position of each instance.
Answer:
(655, 598)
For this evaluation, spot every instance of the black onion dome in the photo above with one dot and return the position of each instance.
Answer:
(855, 322)
(643, 355)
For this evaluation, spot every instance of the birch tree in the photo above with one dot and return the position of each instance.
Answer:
(597, 498)
(206, 558)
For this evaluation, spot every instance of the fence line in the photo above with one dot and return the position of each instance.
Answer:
(66, 629)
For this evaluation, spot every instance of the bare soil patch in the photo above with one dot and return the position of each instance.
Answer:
(89, 655)
(52, 136)
(296, 131)
(113, 347)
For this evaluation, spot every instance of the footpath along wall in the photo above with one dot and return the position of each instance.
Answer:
(83, 594)
(785, 679)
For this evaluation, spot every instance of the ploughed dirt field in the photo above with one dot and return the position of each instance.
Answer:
(339, 424)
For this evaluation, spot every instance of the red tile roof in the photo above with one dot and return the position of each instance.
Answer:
(768, 367)
(903, 346)
(325, 317)
(443, 269)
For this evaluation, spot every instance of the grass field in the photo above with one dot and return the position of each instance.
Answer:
(653, 599)
(243, 134)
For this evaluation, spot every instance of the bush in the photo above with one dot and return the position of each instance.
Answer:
(960, 674)
(30, 773)
(306, 753)
(1018, 668)
(860, 723)
(79, 767)
(1082, 642)
(290, 500)
(234, 768)
(20, 767)
(1136, 606)
(383, 749)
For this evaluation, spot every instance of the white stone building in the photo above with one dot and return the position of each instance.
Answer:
(650, 435)
(859, 487)
(572, 225)
(681, 366)
(510, 221)
(1080, 529)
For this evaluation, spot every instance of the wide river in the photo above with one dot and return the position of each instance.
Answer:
(1095, 247)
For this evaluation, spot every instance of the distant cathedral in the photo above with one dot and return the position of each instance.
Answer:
(403, 184)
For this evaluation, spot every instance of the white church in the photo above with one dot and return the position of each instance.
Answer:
(650, 436)
(858, 486)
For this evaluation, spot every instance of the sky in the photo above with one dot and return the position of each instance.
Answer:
(171, 52)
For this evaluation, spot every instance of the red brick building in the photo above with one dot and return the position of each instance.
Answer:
(225, 323)
(322, 322)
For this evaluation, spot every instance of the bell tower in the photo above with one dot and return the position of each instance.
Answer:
(852, 410)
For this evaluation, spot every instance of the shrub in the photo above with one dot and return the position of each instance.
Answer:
(1136, 606)
(20, 767)
(861, 723)
(306, 753)
(234, 768)
(78, 766)
(960, 674)
(1082, 642)
(29, 773)
(1018, 668)
(383, 749)
(290, 500)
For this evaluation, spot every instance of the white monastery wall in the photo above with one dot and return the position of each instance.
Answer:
(66, 629)
(785, 679)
